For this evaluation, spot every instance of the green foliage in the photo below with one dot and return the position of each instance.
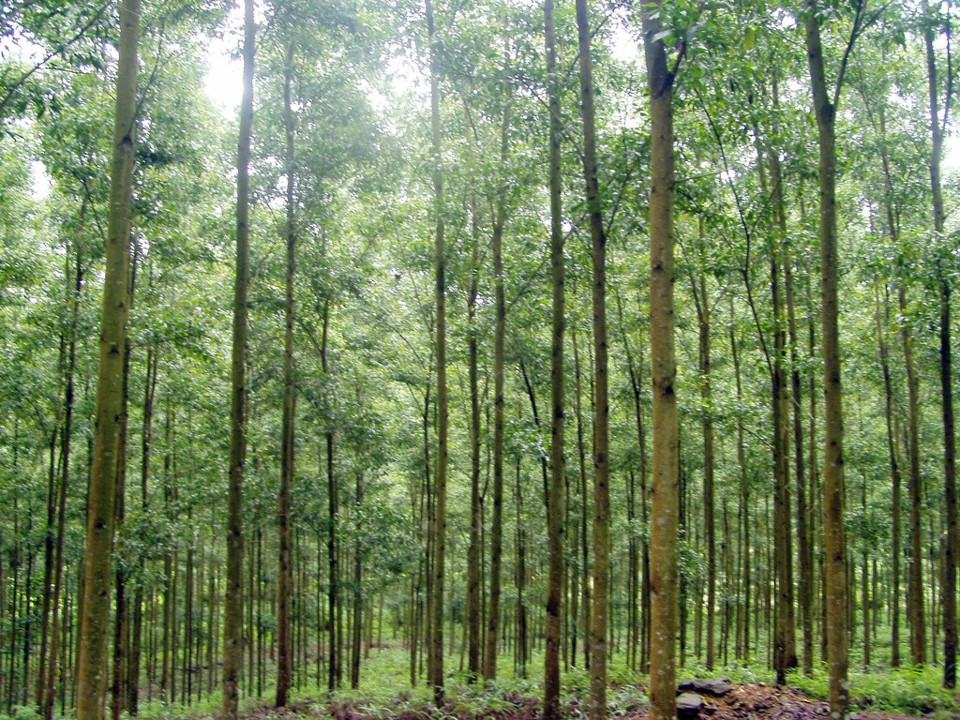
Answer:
(909, 690)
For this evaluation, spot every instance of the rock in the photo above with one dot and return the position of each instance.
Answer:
(688, 706)
(715, 686)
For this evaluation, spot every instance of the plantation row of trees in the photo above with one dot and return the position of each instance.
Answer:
(482, 332)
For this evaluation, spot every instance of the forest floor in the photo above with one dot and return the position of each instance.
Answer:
(749, 701)
(759, 700)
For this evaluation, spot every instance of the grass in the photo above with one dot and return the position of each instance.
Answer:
(908, 690)
(384, 692)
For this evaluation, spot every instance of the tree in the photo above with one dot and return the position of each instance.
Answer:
(233, 596)
(440, 508)
(601, 446)
(91, 676)
(288, 439)
(666, 447)
(551, 682)
(825, 108)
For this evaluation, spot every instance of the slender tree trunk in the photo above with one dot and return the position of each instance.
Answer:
(48, 539)
(440, 507)
(601, 460)
(666, 445)
(473, 551)
(893, 434)
(915, 589)
(288, 431)
(785, 656)
(146, 440)
(520, 644)
(357, 627)
(91, 675)
(496, 529)
(168, 566)
(335, 673)
(49, 685)
(805, 564)
(582, 466)
(121, 623)
(702, 303)
(951, 549)
(233, 595)
(883, 322)
(835, 550)
(551, 683)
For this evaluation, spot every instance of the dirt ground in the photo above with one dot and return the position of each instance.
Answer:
(766, 702)
(743, 702)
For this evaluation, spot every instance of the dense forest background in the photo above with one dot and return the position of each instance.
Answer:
(434, 323)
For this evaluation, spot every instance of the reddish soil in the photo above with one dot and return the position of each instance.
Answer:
(761, 701)
(743, 702)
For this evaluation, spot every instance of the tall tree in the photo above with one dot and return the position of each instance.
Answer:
(288, 437)
(233, 595)
(601, 449)
(551, 683)
(95, 618)
(825, 110)
(440, 266)
(938, 125)
(665, 512)
(500, 309)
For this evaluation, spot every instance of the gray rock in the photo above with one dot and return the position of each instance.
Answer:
(688, 706)
(714, 686)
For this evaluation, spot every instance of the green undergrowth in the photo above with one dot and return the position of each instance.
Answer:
(908, 690)
(384, 693)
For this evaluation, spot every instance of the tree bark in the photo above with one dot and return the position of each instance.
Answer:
(702, 302)
(288, 430)
(835, 550)
(915, 581)
(666, 445)
(440, 507)
(50, 684)
(951, 549)
(496, 529)
(91, 675)
(233, 595)
(551, 683)
(473, 551)
(601, 459)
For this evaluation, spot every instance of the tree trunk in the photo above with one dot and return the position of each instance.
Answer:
(551, 683)
(146, 440)
(666, 446)
(91, 676)
(233, 595)
(582, 466)
(440, 506)
(473, 550)
(915, 589)
(805, 564)
(785, 656)
(357, 628)
(288, 431)
(601, 459)
(702, 303)
(951, 549)
(496, 529)
(835, 550)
